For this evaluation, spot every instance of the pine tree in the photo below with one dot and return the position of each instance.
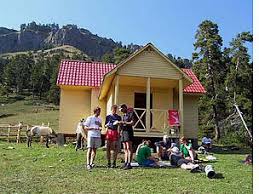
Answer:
(240, 77)
(211, 71)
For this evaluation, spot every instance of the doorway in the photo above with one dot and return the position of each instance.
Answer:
(140, 102)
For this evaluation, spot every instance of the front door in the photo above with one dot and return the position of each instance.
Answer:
(140, 102)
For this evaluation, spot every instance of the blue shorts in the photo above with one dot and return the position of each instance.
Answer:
(148, 163)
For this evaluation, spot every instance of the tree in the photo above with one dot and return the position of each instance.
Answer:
(108, 58)
(180, 62)
(211, 71)
(17, 72)
(240, 77)
(121, 54)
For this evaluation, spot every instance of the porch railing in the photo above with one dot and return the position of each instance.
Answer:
(159, 120)
(140, 124)
(158, 117)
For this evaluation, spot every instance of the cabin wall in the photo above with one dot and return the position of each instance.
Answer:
(149, 64)
(74, 105)
(110, 100)
(190, 113)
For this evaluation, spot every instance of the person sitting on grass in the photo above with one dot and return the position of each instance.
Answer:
(144, 157)
(206, 142)
(93, 126)
(162, 147)
(187, 150)
(176, 159)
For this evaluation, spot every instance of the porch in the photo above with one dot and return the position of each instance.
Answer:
(150, 98)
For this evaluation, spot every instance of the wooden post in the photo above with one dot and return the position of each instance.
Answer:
(8, 135)
(116, 88)
(181, 107)
(18, 135)
(148, 105)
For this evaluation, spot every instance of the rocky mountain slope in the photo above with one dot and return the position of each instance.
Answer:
(34, 36)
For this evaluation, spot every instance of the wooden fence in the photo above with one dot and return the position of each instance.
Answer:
(8, 132)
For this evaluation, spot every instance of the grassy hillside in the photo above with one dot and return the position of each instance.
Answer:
(29, 111)
(61, 170)
(67, 50)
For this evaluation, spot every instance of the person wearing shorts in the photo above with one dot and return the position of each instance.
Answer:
(112, 135)
(127, 135)
(93, 126)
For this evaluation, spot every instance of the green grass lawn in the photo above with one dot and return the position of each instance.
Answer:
(61, 170)
(30, 112)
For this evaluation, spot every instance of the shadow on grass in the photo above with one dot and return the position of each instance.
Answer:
(218, 176)
(6, 115)
(230, 150)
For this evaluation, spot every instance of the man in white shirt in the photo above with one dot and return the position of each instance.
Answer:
(93, 126)
(207, 142)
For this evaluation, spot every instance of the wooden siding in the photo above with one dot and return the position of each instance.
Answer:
(190, 109)
(74, 105)
(149, 64)
(110, 101)
(94, 98)
(162, 99)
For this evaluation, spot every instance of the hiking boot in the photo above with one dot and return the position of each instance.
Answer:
(127, 167)
(109, 165)
(196, 168)
(88, 167)
(124, 165)
(113, 165)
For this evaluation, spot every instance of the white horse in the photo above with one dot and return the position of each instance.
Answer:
(40, 131)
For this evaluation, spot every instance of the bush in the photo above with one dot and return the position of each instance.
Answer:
(235, 138)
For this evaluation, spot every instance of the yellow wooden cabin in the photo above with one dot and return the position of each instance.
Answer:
(147, 81)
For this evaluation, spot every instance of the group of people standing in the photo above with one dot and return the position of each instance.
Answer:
(119, 130)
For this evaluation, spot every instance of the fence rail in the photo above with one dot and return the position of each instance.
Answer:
(9, 131)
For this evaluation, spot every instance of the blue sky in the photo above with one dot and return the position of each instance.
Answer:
(169, 24)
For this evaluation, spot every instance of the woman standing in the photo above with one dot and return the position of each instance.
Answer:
(127, 135)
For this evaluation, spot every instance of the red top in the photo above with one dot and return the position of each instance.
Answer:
(83, 73)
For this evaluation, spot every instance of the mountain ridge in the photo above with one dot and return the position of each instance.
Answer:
(32, 37)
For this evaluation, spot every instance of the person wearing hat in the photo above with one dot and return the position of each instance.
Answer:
(127, 135)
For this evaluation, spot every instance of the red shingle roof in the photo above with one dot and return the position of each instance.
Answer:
(196, 86)
(82, 73)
